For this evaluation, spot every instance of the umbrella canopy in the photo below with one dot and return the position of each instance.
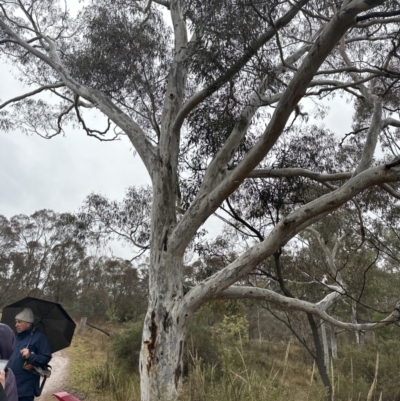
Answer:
(50, 319)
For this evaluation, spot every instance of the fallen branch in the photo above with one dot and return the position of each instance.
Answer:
(98, 328)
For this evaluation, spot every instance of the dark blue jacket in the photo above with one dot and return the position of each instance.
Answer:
(40, 355)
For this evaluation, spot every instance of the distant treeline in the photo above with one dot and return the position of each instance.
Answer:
(55, 256)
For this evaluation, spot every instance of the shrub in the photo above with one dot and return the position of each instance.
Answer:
(126, 346)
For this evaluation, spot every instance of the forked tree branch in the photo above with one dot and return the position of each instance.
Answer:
(303, 306)
(200, 96)
(94, 96)
(207, 202)
(286, 229)
(91, 132)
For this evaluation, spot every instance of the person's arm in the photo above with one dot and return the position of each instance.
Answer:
(2, 386)
(42, 354)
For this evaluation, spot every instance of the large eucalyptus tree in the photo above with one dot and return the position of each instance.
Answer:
(213, 95)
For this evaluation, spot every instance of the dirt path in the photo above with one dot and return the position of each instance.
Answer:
(58, 379)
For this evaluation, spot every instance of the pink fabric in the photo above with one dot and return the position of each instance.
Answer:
(64, 396)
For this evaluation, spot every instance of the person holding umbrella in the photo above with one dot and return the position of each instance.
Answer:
(31, 349)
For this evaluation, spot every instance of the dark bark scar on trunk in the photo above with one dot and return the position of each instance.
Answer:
(166, 321)
(165, 240)
(151, 344)
(178, 369)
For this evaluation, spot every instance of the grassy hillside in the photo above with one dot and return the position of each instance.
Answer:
(232, 368)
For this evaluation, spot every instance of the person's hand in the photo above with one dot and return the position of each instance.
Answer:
(25, 353)
(3, 378)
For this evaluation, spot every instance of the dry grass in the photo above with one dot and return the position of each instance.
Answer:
(249, 372)
(94, 375)
(279, 378)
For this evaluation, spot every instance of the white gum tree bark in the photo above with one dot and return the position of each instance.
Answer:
(334, 346)
(325, 345)
(29, 42)
(339, 291)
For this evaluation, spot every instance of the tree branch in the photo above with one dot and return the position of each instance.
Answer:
(169, 139)
(208, 201)
(196, 99)
(285, 230)
(378, 22)
(391, 122)
(390, 190)
(299, 172)
(34, 92)
(112, 111)
(372, 136)
(91, 132)
(262, 294)
(377, 15)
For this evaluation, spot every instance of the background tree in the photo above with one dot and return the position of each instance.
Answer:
(102, 220)
(39, 250)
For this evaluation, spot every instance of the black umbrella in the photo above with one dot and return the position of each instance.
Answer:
(50, 319)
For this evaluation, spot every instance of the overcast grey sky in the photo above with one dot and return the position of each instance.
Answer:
(58, 174)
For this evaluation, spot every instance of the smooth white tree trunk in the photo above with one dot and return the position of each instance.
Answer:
(334, 346)
(354, 321)
(161, 357)
(325, 345)
(161, 360)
